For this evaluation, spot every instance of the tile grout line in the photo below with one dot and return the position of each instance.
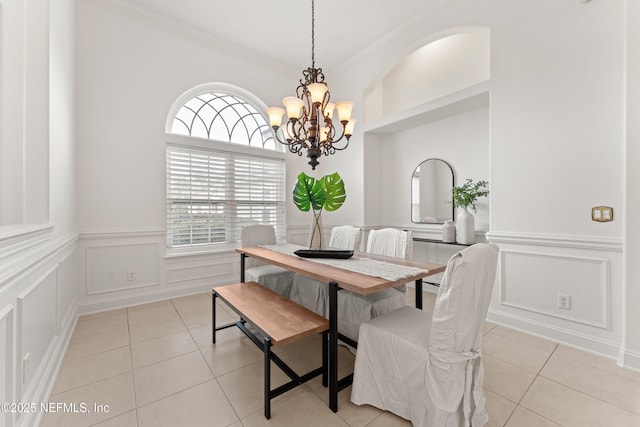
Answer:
(575, 389)
(518, 404)
(133, 374)
(589, 395)
(215, 378)
(155, 363)
(132, 381)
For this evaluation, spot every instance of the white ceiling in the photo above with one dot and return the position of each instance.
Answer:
(281, 29)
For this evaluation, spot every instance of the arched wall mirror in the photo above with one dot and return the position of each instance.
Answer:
(431, 186)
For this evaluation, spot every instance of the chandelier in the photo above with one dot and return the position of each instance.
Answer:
(310, 114)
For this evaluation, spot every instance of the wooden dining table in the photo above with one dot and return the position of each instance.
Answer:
(340, 278)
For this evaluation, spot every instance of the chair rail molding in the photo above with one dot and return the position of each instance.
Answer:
(120, 234)
(19, 238)
(23, 262)
(614, 244)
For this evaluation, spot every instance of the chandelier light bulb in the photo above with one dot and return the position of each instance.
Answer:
(348, 130)
(294, 106)
(344, 110)
(317, 91)
(275, 116)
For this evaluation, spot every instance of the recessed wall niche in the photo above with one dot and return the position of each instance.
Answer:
(433, 103)
(440, 67)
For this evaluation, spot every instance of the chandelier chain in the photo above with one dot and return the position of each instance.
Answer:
(313, 39)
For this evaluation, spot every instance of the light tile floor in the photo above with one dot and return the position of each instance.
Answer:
(154, 365)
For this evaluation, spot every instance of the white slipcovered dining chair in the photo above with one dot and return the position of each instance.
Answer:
(428, 368)
(391, 242)
(353, 308)
(313, 294)
(270, 276)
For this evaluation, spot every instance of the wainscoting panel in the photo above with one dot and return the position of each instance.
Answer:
(67, 290)
(36, 327)
(210, 270)
(38, 301)
(119, 266)
(131, 267)
(535, 282)
(6, 362)
(536, 270)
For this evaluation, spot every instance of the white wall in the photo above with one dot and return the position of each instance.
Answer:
(550, 143)
(38, 261)
(131, 68)
(555, 149)
(437, 69)
(632, 226)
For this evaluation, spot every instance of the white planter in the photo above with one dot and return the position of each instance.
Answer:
(465, 228)
(448, 232)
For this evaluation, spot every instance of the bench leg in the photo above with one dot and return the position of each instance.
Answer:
(267, 377)
(213, 316)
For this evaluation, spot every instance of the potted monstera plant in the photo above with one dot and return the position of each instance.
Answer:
(310, 194)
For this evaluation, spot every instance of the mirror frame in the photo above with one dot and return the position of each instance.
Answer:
(452, 185)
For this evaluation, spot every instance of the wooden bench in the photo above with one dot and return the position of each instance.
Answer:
(281, 321)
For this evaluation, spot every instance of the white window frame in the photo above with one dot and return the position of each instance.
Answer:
(186, 143)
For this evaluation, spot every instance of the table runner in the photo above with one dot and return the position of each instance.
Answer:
(370, 267)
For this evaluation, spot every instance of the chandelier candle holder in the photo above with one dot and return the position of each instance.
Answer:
(310, 115)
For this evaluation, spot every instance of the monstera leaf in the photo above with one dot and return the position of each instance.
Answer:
(334, 191)
(325, 193)
(308, 193)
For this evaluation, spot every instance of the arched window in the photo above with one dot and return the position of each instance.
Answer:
(223, 117)
(223, 168)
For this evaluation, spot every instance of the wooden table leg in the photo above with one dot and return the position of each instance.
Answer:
(419, 294)
(242, 262)
(333, 346)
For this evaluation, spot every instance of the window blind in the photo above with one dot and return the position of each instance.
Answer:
(212, 194)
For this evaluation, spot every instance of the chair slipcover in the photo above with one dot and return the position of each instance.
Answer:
(428, 369)
(270, 276)
(313, 294)
(353, 308)
(391, 242)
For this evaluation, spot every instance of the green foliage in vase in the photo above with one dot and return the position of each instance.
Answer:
(468, 194)
(325, 193)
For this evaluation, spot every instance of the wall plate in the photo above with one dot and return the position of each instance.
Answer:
(602, 213)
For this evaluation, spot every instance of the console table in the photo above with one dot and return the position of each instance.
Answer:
(437, 242)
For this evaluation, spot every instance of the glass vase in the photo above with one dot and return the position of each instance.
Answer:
(315, 239)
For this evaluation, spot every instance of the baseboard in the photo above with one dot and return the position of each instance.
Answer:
(115, 302)
(561, 335)
(631, 360)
